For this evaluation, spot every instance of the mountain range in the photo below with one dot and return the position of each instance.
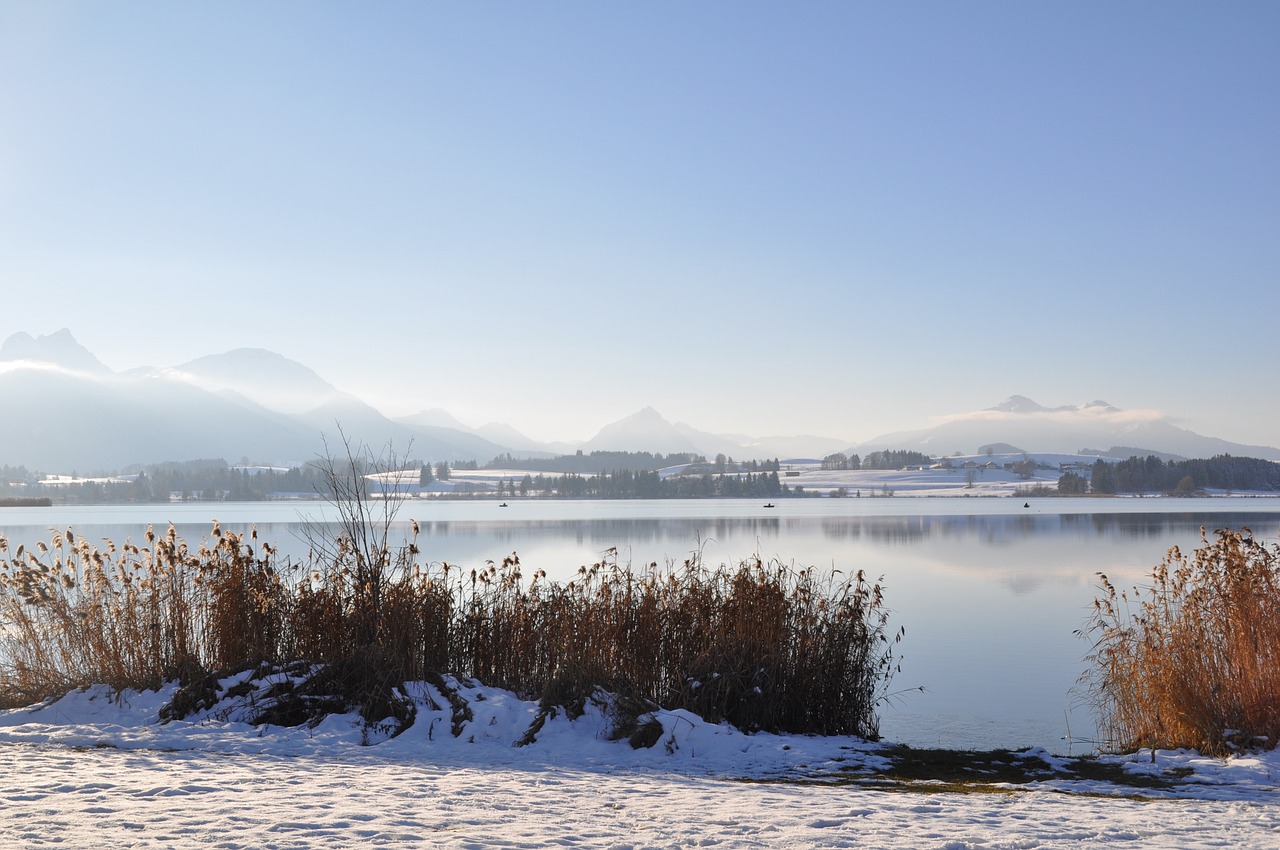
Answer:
(67, 412)
(1020, 424)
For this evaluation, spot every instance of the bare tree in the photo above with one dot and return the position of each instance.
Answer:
(362, 543)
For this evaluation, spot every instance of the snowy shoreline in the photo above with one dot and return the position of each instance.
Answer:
(100, 768)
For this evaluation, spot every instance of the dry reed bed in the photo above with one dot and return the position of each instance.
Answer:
(763, 645)
(1193, 660)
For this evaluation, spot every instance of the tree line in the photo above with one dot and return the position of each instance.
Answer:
(195, 480)
(216, 480)
(593, 462)
(629, 484)
(887, 459)
(1150, 474)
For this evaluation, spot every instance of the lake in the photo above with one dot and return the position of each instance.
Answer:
(989, 592)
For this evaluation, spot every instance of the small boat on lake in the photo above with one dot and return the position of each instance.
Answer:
(769, 505)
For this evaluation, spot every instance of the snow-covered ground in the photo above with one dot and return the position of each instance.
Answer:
(95, 770)
(965, 475)
(986, 475)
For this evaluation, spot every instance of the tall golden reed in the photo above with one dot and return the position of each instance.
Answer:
(1192, 660)
(761, 645)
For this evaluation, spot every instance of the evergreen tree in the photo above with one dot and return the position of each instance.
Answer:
(1102, 479)
(1072, 484)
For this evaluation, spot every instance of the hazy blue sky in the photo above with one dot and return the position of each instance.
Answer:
(772, 218)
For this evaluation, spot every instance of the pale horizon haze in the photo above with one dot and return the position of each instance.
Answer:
(831, 218)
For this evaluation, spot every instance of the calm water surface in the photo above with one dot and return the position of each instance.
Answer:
(990, 592)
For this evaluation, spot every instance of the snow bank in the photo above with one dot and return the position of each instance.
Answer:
(97, 768)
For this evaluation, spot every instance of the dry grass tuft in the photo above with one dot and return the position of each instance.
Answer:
(1193, 660)
(764, 646)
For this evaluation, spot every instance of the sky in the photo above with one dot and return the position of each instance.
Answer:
(805, 218)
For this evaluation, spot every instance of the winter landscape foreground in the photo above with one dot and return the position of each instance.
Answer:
(99, 770)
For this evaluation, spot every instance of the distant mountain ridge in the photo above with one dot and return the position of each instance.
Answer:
(1019, 421)
(257, 405)
(647, 430)
(247, 404)
(57, 349)
(263, 376)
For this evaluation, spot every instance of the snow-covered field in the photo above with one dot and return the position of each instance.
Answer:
(94, 770)
(986, 475)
